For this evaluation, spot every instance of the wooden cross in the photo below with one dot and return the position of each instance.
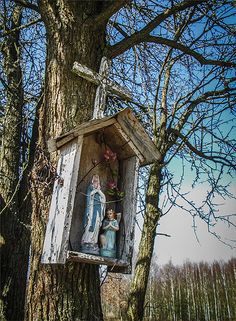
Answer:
(105, 85)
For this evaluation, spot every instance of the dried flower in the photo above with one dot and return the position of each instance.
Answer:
(112, 190)
(109, 155)
(111, 185)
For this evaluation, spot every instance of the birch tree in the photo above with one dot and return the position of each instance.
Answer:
(200, 304)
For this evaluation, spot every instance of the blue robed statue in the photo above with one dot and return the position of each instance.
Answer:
(93, 216)
(110, 226)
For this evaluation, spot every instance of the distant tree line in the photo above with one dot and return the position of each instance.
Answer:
(191, 292)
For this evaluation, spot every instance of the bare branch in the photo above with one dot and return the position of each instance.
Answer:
(140, 36)
(27, 4)
(118, 28)
(200, 99)
(163, 234)
(218, 159)
(188, 51)
(6, 33)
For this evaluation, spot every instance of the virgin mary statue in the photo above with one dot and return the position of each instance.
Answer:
(93, 216)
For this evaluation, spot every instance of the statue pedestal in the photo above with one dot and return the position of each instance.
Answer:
(108, 253)
(90, 248)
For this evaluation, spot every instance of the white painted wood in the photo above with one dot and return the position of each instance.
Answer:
(137, 134)
(129, 142)
(104, 84)
(100, 98)
(94, 259)
(61, 209)
(129, 185)
(86, 73)
(96, 78)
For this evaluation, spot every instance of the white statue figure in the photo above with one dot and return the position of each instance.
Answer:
(93, 216)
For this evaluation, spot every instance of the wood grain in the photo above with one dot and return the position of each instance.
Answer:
(60, 213)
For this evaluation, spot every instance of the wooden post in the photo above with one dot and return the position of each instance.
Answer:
(100, 98)
(105, 85)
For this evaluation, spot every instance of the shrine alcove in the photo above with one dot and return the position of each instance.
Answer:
(112, 148)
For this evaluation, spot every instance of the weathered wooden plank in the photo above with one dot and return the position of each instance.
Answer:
(94, 77)
(129, 142)
(52, 146)
(86, 73)
(133, 129)
(84, 129)
(118, 142)
(129, 125)
(60, 213)
(100, 98)
(116, 89)
(129, 174)
(94, 259)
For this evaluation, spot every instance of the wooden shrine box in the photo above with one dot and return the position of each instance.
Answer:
(80, 156)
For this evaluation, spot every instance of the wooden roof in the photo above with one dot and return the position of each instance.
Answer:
(122, 127)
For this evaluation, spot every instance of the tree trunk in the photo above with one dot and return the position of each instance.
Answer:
(142, 268)
(70, 292)
(14, 232)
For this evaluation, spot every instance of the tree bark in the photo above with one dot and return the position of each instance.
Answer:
(70, 292)
(142, 268)
(14, 232)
